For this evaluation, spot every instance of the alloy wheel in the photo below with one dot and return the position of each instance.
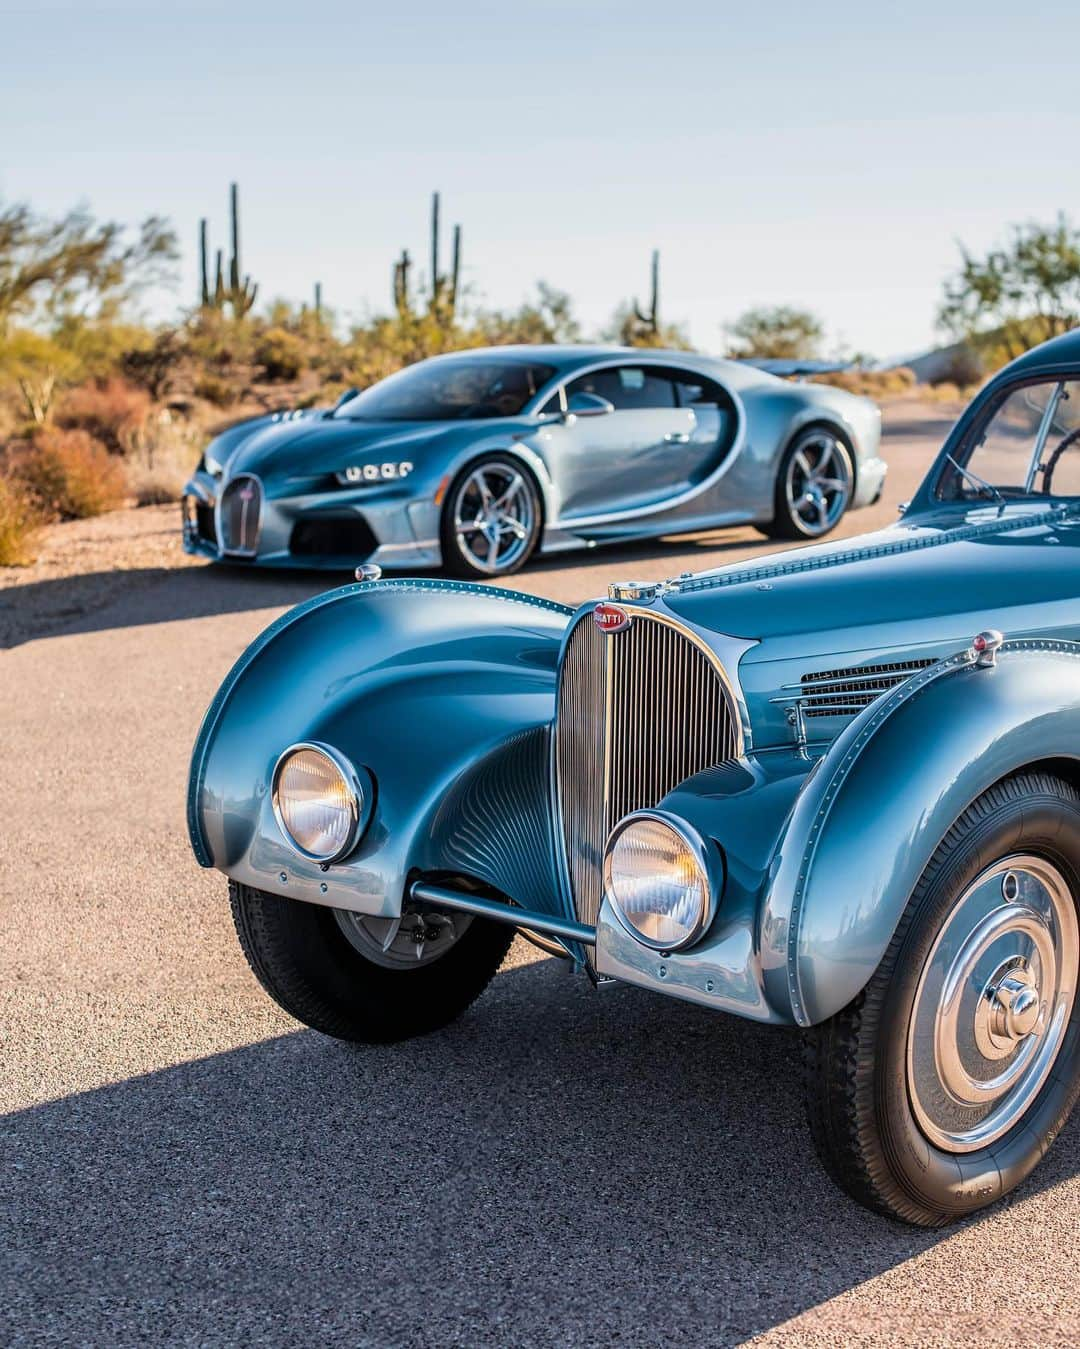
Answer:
(494, 517)
(818, 483)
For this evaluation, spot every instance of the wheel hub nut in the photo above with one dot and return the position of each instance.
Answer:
(1015, 1007)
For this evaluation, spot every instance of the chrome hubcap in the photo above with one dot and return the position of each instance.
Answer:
(993, 1004)
(402, 943)
(494, 516)
(818, 483)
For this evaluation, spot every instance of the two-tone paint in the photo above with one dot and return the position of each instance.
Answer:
(631, 475)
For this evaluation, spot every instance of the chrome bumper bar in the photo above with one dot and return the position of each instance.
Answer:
(503, 913)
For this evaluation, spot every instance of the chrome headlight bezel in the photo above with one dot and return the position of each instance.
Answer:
(708, 862)
(358, 800)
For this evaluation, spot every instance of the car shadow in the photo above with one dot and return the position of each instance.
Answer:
(99, 601)
(557, 1167)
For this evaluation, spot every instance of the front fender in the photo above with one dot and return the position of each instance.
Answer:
(441, 691)
(875, 808)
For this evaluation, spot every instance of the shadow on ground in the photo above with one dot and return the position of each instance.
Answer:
(559, 1167)
(100, 601)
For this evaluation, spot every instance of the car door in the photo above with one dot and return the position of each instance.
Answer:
(623, 458)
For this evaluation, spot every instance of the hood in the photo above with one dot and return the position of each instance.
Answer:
(942, 576)
(310, 447)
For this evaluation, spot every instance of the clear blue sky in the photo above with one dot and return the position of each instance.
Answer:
(827, 155)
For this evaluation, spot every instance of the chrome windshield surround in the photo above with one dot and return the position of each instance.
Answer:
(638, 710)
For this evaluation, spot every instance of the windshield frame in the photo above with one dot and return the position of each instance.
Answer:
(969, 431)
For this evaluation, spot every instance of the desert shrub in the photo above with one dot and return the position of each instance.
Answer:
(282, 354)
(221, 392)
(871, 383)
(72, 476)
(158, 469)
(114, 413)
(20, 521)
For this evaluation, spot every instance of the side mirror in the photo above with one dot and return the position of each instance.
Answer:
(587, 405)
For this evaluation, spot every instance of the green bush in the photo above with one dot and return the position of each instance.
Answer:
(73, 476)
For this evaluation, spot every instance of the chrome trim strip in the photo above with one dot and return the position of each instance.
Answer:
(502, 913)
(573, 524)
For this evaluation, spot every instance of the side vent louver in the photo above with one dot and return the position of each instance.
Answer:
(843, 693)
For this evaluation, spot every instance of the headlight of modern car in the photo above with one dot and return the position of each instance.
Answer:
(362, 475)
(318, 801)
(660, 880)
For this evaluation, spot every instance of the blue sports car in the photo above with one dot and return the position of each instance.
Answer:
(476, 460)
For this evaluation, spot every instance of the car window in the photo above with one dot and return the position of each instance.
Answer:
(627, 387)
(695, 390)
(552, 407)
(1029, 443)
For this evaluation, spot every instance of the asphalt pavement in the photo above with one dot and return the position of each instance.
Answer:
(180, 1163)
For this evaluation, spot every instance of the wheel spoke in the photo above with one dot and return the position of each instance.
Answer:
(502, 502)
(803, 464)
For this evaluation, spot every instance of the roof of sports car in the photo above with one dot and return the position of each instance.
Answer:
(569, 356)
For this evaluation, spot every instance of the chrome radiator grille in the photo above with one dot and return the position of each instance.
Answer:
(239, 512)
(639, 711)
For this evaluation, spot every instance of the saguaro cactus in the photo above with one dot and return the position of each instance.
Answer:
(242, 292)
(444, 289)
(650, 319)
(204, 274)
(402, 301)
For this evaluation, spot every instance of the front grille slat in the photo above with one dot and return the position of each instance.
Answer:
(240, 512)
(639, 711)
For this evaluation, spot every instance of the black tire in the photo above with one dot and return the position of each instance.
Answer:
(304, 961)
(788, 524)
(858, 1098)
(456, 556)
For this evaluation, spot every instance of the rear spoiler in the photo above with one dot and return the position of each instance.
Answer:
(796, 369)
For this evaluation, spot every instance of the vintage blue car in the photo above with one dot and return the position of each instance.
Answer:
(476, 460)
(836, 789)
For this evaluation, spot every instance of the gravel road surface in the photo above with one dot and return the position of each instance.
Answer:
(181, 1163)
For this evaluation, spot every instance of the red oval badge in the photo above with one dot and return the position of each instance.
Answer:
(610, 618)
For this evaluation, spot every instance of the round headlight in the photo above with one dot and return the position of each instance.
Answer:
(657, 878)
(317, 801)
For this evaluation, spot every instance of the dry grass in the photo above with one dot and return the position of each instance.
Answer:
(72, 476)
(875, 384)
(20, 524)
(158, 469)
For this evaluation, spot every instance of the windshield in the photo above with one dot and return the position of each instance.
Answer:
(1029, 445)
(454, 390)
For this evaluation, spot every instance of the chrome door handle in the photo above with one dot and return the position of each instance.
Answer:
(678, 437)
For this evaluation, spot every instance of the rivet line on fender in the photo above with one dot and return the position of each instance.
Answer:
(894, 699)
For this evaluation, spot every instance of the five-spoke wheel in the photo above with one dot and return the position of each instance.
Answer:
(814, 486)
(491, 518)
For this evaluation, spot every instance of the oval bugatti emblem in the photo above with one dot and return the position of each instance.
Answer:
(610, 618)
